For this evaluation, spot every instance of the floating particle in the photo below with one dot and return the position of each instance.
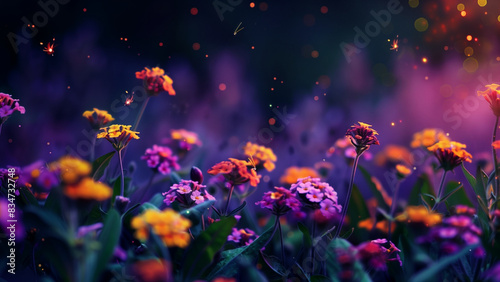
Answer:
(413, 3)
(252, 5)
(263, 6)
(460, 7)
(222, 87)
(238, 29)
(469, 37)
(395, 44)
(498, 18)
(270, 105)
(194, 11)
(426, 78)
(160, 44)
(253, 47)
(463, 13)
(272, 121)
(424, 60)
(445, 48)
(392, 123)
(315, 54)
(274, 78)
(84, 10)
(196, 46)
(49, 49)
(498, 59)
(482, 3)
(324, 9)
(468, 51)
(266, 178)
(272, 88)
(125, 39)
(129, 100)
(48, 143)
(69, 87)
(206, 56)
(316, 98)
(421, 24)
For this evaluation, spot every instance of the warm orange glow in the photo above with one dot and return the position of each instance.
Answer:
(252, 5)
(424, 60)
(463, 13)
(469, 37)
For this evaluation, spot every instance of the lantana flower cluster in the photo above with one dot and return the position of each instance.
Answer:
(456, 232)
(374, 254)
(156, 81)
(161, 159)
(242, 237)
(263, 156)
(450, 154)
(317, 195)
(236, 172)
(280, 201)
(187, 193)
(169, 225)
(8, 106)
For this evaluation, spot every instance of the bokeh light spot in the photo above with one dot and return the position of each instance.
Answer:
(413, 3)
(315, 54)
(194, 11)
(324, 81)
(460, 7)
(421, 24)
(263, 6)
(469, 37)
(196, 46)
(470, 65)
(324, 9)
(222, 86)
(272, 121)
(482, 3)
(252, 5)
(424, 60)
(463, 13)
(468, 51)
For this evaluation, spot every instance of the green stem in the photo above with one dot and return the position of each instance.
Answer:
(229, 198)
(141, 112)
(393, 207)
(122, 183)
(349, 190)
(438, 196)
(281, 241)
(495, 158)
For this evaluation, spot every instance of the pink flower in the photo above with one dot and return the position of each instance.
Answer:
(169, 198)
(280, 201)
(183, 189)
(197, 197)
(329, 209)
(187, 193)
(161, 159)
(315, 195)
(303, 188)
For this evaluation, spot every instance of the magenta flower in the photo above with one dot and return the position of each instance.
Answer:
(243, 237)
(362, 136)
(8, 106)
(187, 193)
(374, 254)
(317, 195)
(161, 159)
(279, 202)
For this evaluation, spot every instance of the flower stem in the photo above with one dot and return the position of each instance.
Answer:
(440, 190)
(313, 250)
(281, 241)
(92, 147)
(495, 158)
(141, 112)
(393, 207)
(122, 183)
(349, 190)
(229, 198)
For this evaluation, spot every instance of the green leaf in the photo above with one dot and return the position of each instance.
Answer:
(481, 184)
(422, 185)
(429, 195)
(203, 248)
(108, 240)
(228, 266)
(194, 214)
(373, 188)
(46, 222)
(307, 235)
(357, 209)
(100, 165)
(385, 214)
(27, 196)
(54, 200)
(157, 200)
(236, 210)
(333, 265)
(95, 215)
(117, 188)
(424, 202)
(432, 272)
(175, 178)
(274, 264)
(455, 195)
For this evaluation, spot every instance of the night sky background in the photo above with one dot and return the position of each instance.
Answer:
(287, 56)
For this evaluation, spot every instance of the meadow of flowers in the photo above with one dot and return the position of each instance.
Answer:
(77, 219)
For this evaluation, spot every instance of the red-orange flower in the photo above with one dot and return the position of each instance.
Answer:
(492, 96)
(450, 154)
(236, 171)
(156, 81)
(362, 136)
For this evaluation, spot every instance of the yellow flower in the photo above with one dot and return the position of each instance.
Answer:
(262, 155)
(88, 189)
(292, 174)
(402, 171)
(118, 135)
(419, 214)
(72, 169)
(100, 119)
(491, 95)
(186, 138)
(382, 225)
(428, 137)
(168, 225)
(450, 154)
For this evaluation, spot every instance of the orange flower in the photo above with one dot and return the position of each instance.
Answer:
(101, 118)
(293, 173)
(88, 189)
(262, 155)
(402, 171)
(236, 171)
(450, 154)
(71, 169)
(118, 135)
(382, 225)
(152, 270)
(362, 136)
(428, 137)
(168, 224)
(492, 96)
(393, 154)
(156, 81)
(496, 144)
(419, 214)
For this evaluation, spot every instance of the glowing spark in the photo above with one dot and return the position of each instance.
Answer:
(395, 45)
(238, 29)
(49, 49)
(129, 100)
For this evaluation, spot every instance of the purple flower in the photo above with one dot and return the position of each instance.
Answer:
(303, 188)
(161, 159)
(329, 209)
(169, 198)
(187, 193)
(197, 197)
(280, 201)
(243, 237)
(315, 195)
(83, 230)
(8, 106)
(362, 136)
(183, 189)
